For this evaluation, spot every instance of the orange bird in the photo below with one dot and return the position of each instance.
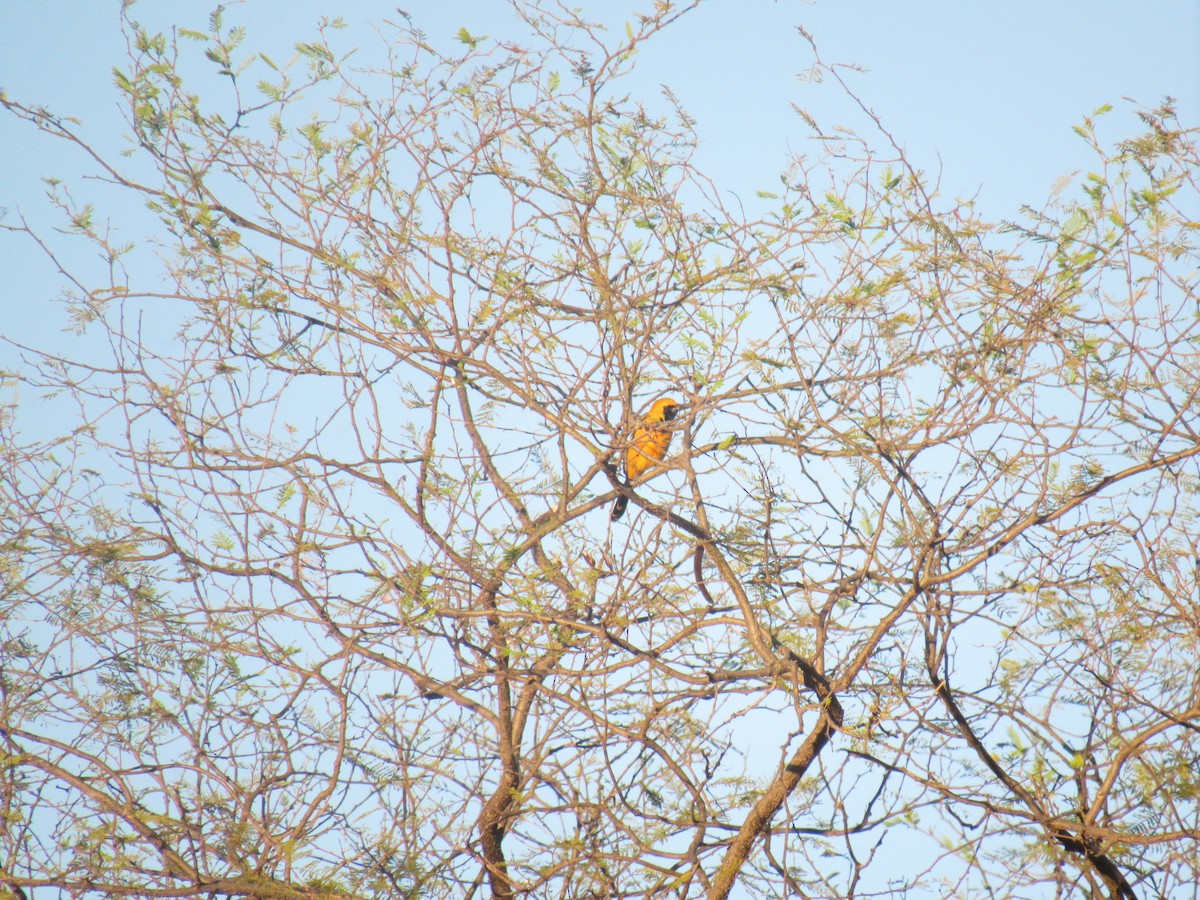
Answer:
(649, 445)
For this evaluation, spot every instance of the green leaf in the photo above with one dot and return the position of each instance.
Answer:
(467, 38)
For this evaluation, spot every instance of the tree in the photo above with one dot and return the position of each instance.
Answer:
(318, 596)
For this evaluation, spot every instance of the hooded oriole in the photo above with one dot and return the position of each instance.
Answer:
(649, 445)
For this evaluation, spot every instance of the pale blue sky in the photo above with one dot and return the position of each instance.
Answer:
(985, 93)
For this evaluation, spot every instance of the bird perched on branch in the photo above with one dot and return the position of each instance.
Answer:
(649, 445)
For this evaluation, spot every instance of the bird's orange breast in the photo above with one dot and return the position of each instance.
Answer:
(648, 447)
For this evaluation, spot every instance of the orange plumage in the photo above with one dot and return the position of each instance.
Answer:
(649, 445)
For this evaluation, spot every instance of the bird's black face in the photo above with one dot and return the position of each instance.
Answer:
(670, 412)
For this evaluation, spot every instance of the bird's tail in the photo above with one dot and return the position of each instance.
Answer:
(619, 507)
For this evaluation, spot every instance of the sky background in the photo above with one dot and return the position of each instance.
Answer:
(981, 94)
(985, 94)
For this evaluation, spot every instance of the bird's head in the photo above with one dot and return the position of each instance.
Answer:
(665, 409)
